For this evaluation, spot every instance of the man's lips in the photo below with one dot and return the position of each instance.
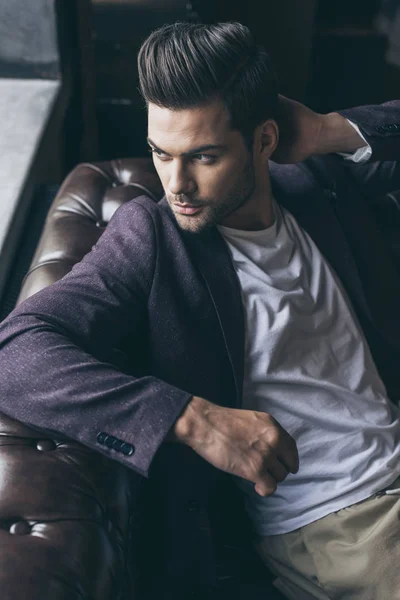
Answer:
(186, 209)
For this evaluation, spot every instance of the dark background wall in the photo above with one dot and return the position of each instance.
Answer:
(327, 54)
(121, 26)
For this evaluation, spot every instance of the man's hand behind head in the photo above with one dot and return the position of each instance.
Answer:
(299, 131)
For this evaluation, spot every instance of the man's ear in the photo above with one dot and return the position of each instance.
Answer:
(268, 137)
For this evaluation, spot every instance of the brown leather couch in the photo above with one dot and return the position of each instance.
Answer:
(67, 515)
(69, 518)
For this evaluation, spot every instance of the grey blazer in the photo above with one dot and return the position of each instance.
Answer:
(152, 316)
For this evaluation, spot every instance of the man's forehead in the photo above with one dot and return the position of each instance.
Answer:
(202, 125)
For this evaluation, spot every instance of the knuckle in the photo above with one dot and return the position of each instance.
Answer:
(269, 418)
(273, 437)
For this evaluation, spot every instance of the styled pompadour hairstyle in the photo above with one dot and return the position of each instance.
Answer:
(185, 65)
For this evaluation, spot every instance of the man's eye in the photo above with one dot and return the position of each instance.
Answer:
(204, 158)
(161, 155)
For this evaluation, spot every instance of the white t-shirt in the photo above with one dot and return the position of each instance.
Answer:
(307, 363)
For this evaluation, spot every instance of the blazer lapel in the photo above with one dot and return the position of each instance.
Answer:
(211, 256)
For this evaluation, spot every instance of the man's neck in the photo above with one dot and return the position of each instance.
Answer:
(256, 214)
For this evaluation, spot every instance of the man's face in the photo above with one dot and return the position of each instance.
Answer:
(205, 167)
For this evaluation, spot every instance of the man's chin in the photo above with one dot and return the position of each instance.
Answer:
(192, 224)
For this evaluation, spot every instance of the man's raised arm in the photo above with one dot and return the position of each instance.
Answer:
(305, 133)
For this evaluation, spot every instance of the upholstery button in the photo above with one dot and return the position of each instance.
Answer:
(127, 449)
(46, 445)
(20, 528)
(101, 224)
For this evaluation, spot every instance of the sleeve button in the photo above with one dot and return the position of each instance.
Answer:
(127, 449)
(117, 445)
(101, 437)
(108, 440)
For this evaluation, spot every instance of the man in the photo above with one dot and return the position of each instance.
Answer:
(257, 307)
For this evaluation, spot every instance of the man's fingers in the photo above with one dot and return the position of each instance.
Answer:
(265, 486)
(287, 454)
(290, 459)
(283, 445)
(276, 470)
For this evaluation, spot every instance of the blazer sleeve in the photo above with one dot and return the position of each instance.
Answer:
(52, 374)
(380, 125)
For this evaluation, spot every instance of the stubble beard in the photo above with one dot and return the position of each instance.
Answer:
(213, 214)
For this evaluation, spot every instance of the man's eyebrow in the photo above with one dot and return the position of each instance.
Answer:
(197, 150)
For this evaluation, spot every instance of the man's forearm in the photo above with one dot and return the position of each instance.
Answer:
(337, 135)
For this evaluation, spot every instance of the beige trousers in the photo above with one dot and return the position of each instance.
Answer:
(352, 554)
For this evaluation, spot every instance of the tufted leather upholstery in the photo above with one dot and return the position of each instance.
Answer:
(67, 514)
(85, 203)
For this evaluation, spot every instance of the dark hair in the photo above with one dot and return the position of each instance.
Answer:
(186, 65)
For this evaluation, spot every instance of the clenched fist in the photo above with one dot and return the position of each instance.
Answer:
(246, 443)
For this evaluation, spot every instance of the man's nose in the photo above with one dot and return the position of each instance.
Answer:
(180, 182)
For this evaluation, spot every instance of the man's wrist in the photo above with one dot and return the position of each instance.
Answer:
(190, 424)
(337, 135)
